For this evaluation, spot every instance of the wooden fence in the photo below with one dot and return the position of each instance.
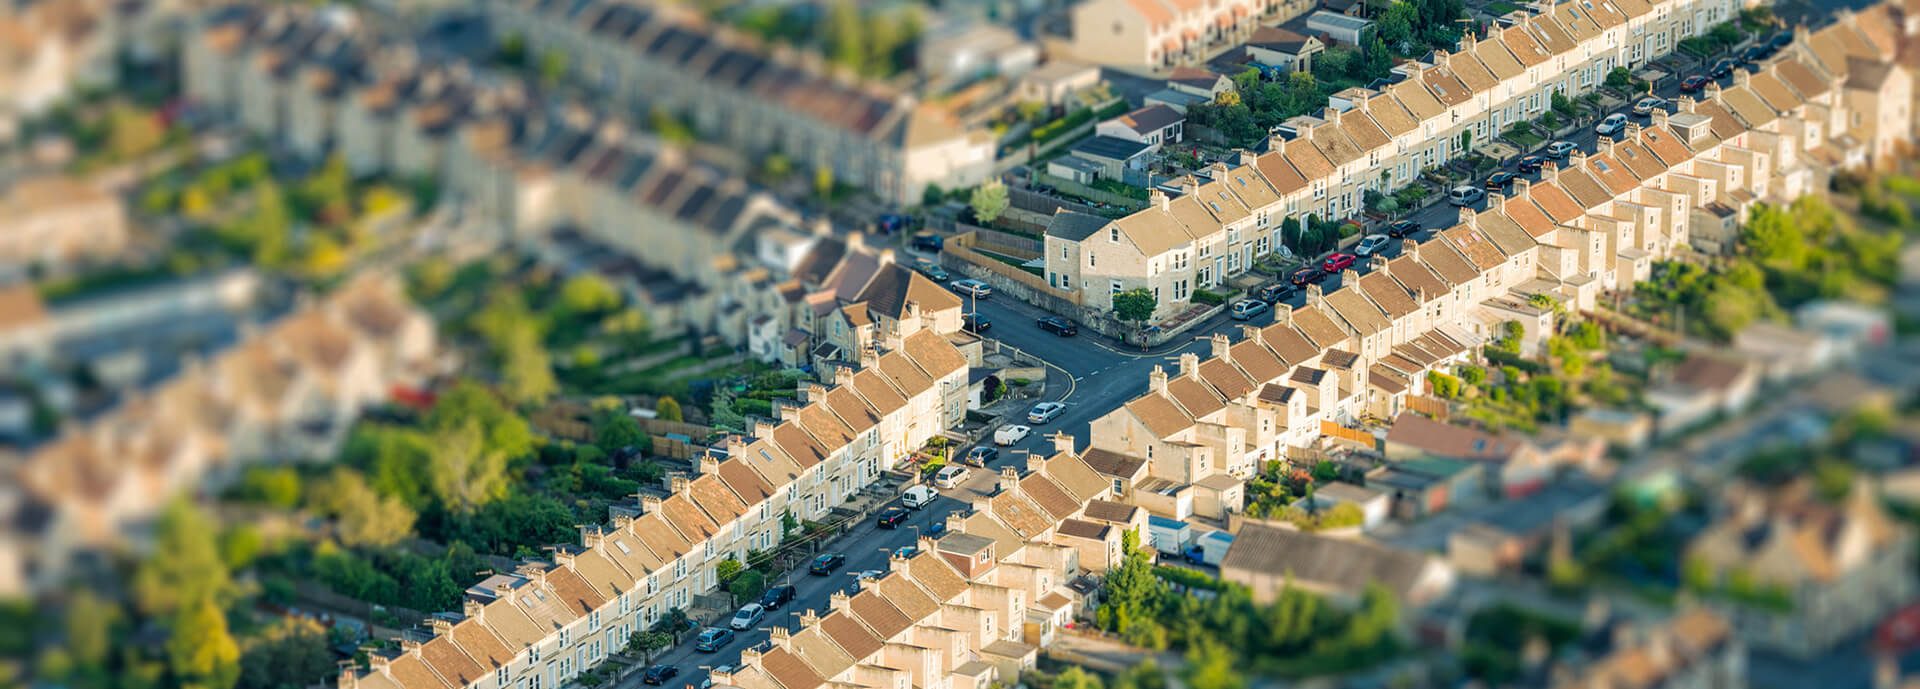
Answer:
(1334, 430)
(1431, 406)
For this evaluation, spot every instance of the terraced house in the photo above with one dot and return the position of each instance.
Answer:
(1374, 140)
(1784, 121)
(751, 98)
(967, 610)
(680, 237)
(1596, 224)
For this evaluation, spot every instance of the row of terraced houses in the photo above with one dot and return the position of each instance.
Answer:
(965, 611)
(756, 99)
(1836, 97)
(1228, 216)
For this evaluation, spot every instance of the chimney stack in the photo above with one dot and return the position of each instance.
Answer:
(1248, 332)
(842, 376)
(1220, 345)
(1283, 313)
(1549, 172)
(837, 602)
(1157, 199)
(1314, 295)
(1604, 146)
(1410, 249)
(1521, 185)
(1035, 462)
(736, 445)
(1217, 171)
(1062, 443)
(1660, 116)
(1189, 364)
(649, 503)
(1377, 261)
(1009, 478)
(1349, 277)
(1189, 186)
(1276, 143)
(1157, 379)
(1243, 157)
(678, 484)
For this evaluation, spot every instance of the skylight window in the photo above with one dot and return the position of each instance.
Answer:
(622, 545)
(1602, 166)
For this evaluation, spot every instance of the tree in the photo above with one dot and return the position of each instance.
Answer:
(669, 410)
(823, 183)
(932, 196)
(989, 200)
(553, 66)
(132, 132)
(1619, 78)
(292, 653)
(185, 567)
(90, 622)
(199, 648)
(617, 432)
(747, 584)
(845, 41)
(1211, 666)
(365, 518)
(1290, 231)
(506, 431)
(1075, 678)
(276, 486)
(1466, 140)
(1395, 26)
(588, 294)
(1136, 305)
(465, 471)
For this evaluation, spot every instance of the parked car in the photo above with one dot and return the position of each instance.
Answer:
(918, 497)
(979, 456)
(889, 223)
(777, 597)
(974, 288)
(1404, 228)
(1561, 149)
(1694, 83)
(713, 639)
(1645, 107)
(1781, 40)
(1371, 244)
(1532, 163)
(931, 270)
(1499, 180)
(826, 563)
(869, 574)
(749, 615)
(928, 241)
(1610, 125)
(1466, 196)
(938, 529)
(975, 323)
(1248, 309)
(659, 674)
(1010, 434)
(1044, 412)
(1756, 53)
(720, 670)
(1276, 292)
(1723, 67)
(906, 551)
(1337, 262)
(892, 517)
(950, 476)
(1306, 275)
(1059, 326)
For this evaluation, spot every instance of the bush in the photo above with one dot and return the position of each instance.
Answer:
(1188, 578)
(1209, 298)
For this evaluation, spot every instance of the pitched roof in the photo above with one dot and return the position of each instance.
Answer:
(1109, 511)
(1278, 39)
(904, 373)
(1665, 144)
(1084, 529)
(813, 647)
(1259, 363)
(1447, 440)
(1226, 379)
(1556, 202)
(1199, 400)
(936, 575)
(1075, 476)
(1474, 245)
(1159, 415)
(450, 662)
(789, 670)
(1357, 311)
(1289, 344)
(1415, 277)
(1280, 173)
(894, 286)
(1392, 117)
(1074, 225)
(1112, 463)
(1318, 326)
(1049, 496)
(1800, 78)
(1153, 231)
(715, 498)
(906, 596)
(1617, 178)
(1019, 514)
(1331, 563)
(878, 392)
(850, 634)
(879, 614)
(573, 591)
(1387, 294)
(1151, 119)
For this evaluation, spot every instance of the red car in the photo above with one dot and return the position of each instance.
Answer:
(1694, 83)
(1336, 262)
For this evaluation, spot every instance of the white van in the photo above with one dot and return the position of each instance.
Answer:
(918, 497)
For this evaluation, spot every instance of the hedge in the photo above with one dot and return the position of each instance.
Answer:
(1209, 298)
(1188, 578)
